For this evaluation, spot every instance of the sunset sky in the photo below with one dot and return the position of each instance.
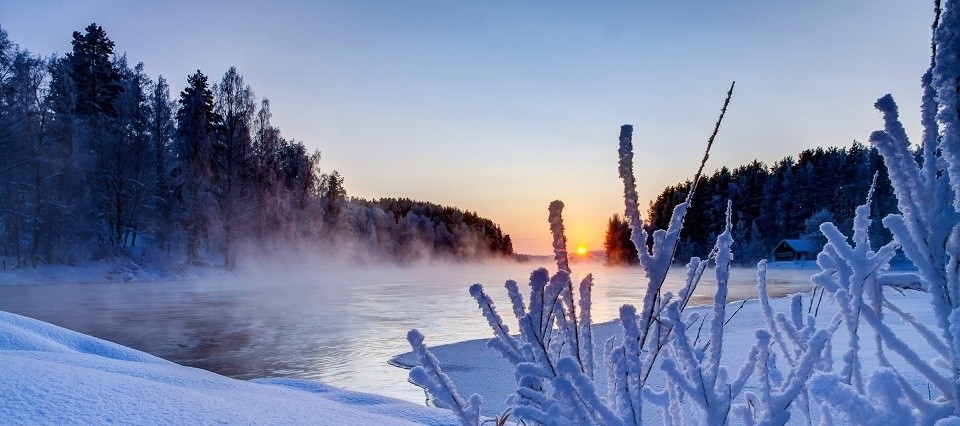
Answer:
(502, 107)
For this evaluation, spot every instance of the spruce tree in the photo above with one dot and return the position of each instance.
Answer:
(617, 243)
(192, 174)
(95, 76)
(161, 123)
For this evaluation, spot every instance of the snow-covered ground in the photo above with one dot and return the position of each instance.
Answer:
(476, 368)
(51, 375)
(119, 270)
(113, 270)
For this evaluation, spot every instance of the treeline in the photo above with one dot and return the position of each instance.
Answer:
(409, 230)
(97, 160)
(788, 200)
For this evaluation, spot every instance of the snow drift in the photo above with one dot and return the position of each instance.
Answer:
(51, 375)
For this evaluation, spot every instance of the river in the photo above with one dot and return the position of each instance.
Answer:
(337, 324)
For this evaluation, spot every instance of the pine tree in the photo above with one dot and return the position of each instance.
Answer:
(333, 201)
(617, 244)
(85, 88)
(94, 75)
(161, 124)
(192, 173)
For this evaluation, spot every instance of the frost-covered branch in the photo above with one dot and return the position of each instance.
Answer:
(713, 136)
(927, 230)
(554, 352)
(429, 376)
(697, 374)
(502, 341)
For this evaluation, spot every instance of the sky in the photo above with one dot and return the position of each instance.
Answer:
(501, 107)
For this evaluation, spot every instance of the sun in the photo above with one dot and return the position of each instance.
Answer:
(581, 250)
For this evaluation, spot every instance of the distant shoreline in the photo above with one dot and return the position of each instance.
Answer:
(118, 271)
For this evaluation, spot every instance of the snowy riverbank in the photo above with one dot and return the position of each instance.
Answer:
(476, 368)
(50, 375)
(82, 374)
(119, 270)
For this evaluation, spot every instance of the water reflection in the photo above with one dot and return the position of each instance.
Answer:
(337, 325)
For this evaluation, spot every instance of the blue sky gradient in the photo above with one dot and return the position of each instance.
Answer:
(501, 107)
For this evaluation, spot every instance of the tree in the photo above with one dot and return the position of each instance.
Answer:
(811, 227)
(748, 245)
(192, 174)
(30, 163)
(268, 197)
(124, 161)
(332, 200)
(85, 88)
(91, 68)
(620, 249)
(162, 128)
(234, 105)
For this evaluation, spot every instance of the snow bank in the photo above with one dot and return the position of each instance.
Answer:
(51, 375)
(119, 270)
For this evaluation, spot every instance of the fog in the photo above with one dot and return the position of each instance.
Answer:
(336, 321)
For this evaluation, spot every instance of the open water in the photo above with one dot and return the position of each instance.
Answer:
(337, 324)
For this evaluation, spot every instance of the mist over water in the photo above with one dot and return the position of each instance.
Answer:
(338, 323)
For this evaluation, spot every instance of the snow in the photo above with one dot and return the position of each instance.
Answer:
(476, 368)
(118, 270)
(51, 375)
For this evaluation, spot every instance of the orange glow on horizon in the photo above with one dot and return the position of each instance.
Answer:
(581, 250)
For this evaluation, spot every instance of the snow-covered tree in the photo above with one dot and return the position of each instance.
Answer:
(30, 162)
(124, 161)
(812, 224)
(96, 78)
(233, 153)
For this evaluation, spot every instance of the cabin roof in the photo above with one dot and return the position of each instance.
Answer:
(799, 246)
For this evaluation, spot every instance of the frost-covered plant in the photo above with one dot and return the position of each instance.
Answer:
(554, 352)
(550, 331)
(796, 340)
(790, 368)
(429, 376)
(554, 363)
(694, 373)
(698, 373)
(928, 231)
